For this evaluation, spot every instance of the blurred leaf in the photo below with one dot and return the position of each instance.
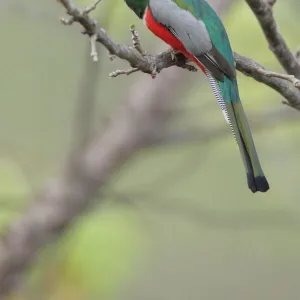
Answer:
(13, 183)
(102, 251)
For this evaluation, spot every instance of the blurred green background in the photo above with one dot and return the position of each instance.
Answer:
(178, 221)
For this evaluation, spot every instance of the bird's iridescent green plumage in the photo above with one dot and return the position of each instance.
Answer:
(203, 38)
(203, 11)
(229, 89)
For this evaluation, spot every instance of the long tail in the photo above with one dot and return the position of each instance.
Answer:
(237, 120)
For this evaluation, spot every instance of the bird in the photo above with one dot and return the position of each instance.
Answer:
(193, 28)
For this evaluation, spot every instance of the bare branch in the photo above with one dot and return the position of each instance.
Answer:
(146, 63)
(291, 78)
(154, 64)
(131, 129)
(65, 198)
(86, 11)
(175, 56)
(68, 21)
(264, 14)
(91, 7)
(94, 53)
(251, 68)
(136, 40)
(123, 72)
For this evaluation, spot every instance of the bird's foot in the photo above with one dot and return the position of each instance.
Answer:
(173, 53)
(188, 67)
(180, 60)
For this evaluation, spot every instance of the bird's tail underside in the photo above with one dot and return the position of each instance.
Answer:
(236, 118)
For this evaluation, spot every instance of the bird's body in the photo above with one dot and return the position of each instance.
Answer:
(193, 28)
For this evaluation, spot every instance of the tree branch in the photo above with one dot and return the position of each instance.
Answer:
(155, 63)
(250, 68)
(264, 14)
(145, 63)
(72, 193)
(65, 198)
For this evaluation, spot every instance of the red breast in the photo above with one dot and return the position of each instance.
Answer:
(160, 31)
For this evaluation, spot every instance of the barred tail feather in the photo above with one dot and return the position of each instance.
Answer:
(235, 116)
(255, 176)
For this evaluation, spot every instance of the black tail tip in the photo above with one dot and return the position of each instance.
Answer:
(257, 184)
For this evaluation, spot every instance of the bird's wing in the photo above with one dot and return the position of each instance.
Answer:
(181, 19)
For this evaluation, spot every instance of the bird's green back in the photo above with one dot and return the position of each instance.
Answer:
(203, 11)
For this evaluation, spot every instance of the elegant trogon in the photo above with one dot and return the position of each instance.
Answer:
(193, 28)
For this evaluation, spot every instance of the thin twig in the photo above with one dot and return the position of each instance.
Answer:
(91, 7)
(131, 128)
(251, 68)
(153, 64)
(123, 72)
(86, 11)
(150, 64)
(68, 21)
(291, 78)
(136, 41)
(94, 54)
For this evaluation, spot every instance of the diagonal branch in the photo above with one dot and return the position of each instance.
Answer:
(264, 14)
(131, 129)
(155, 63)
(65, 198)
(146, 63)
(70, 195)
(251, 68)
